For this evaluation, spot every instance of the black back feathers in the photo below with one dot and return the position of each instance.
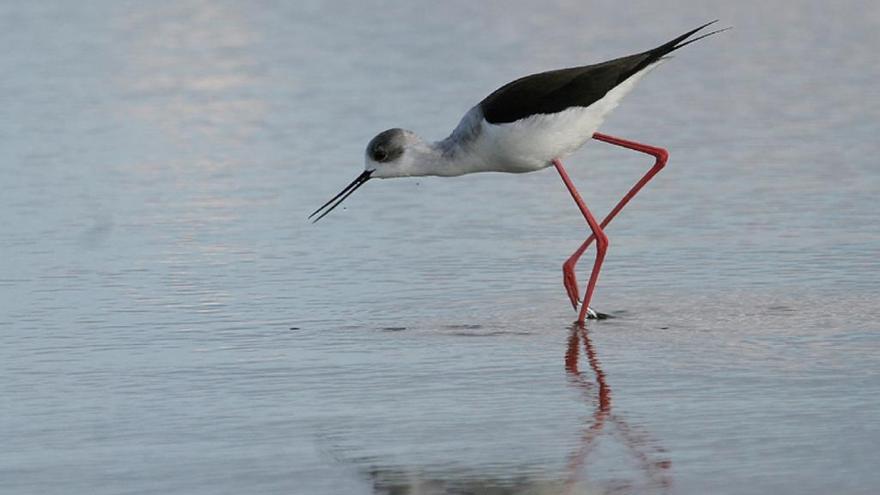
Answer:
(557, 90)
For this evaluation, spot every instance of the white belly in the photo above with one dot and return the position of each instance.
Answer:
(531, 144)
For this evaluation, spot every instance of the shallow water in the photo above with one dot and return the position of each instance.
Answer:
(169, 322)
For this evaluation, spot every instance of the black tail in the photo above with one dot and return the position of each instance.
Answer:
(644, 59)
(667, 48)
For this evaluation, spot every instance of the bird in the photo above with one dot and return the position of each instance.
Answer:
(527, 125)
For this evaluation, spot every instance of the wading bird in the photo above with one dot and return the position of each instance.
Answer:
(527, 125)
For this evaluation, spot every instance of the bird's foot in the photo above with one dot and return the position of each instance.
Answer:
(592, 314)
(571, 288)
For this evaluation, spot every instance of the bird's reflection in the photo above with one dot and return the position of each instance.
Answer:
(645, 468)
(650, 458)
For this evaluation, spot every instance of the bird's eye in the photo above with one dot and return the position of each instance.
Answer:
(379, 154)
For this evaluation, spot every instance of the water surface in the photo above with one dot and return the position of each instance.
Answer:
(170, 323)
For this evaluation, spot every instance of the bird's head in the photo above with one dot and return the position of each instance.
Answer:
(391, 153)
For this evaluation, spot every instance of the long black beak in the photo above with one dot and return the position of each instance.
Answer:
(361, 179)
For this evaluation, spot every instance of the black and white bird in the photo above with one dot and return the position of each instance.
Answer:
(527, 125)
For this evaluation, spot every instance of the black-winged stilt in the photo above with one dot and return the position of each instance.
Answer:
(527, 125)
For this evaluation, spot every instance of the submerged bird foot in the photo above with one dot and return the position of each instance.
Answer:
(595, 315)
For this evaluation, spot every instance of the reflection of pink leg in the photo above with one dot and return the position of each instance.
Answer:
(604, 390)
(588, 439)
(650, 457)
(568, 276)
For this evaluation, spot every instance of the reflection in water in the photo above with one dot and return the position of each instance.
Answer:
(649, 457)
(401, 483)
(649, 473)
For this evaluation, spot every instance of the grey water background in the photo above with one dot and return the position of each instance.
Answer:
(170, 323)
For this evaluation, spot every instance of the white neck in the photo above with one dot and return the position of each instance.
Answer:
(437, 158)
(455, 155)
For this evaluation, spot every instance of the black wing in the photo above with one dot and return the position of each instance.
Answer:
(554, 91)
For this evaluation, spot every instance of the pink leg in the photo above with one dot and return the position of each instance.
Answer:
(601, 238)
(660, 155)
